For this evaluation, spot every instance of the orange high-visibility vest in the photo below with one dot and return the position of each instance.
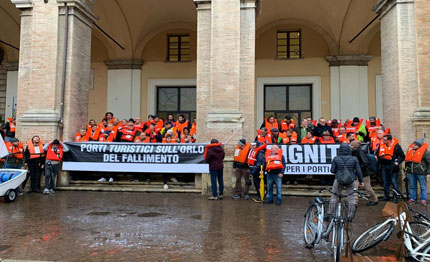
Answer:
(331, 141)
(80, 138)
(416, 156)
(387, 152)
(240, 155)
(181, 126)
(273, 161)
(54, 156)
(311, 140)
(35, 152)
(15, 151)
(286, 139)
(139, 140)
(253, 153)
(269, 126)
(285, 126)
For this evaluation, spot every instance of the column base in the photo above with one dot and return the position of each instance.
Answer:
(226, 126)
(41, 123)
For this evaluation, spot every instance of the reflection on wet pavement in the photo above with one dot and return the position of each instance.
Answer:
(98, 226)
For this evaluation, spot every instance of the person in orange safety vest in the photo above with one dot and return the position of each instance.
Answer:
(54, 157)
(390, 156)
(417, 167)
(240, 167)
(274, 166)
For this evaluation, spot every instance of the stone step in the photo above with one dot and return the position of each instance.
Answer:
(157, 188)
(128, 183)
(113, 188)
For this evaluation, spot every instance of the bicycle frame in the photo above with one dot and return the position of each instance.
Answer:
(408, 238)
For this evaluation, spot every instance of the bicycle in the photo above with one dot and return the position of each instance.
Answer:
(416, 234)
(314, 229)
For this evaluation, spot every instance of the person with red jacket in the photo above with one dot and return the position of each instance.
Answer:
(214, 156)
(54, 157)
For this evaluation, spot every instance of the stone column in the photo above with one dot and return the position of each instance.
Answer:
(3, 80)
(41, 67)
(349, 86)
(124, 84)
(226, 70)
(399, 67)
(422, 25)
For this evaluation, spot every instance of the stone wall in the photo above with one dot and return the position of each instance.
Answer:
(3, 77)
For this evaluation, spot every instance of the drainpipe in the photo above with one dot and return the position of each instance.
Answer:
(63, 77)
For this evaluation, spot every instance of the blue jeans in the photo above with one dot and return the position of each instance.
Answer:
(51, 171)
(413, 179)
(389, 177)
(278, 182)
(217, 175)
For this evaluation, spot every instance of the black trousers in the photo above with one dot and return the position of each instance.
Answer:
(35, 173)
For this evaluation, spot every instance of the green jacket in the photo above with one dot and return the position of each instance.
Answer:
(422, 168)
(363, 130)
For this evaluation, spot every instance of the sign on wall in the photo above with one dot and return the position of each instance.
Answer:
(309, 159)
(140, 158)
(181, 158)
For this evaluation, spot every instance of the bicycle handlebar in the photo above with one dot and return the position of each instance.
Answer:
(360, 195)
(419, 215)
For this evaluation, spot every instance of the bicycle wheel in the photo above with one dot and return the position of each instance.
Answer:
(311, 226)
(426, 256)
(420, 229)
(338, 242)
(372, 236)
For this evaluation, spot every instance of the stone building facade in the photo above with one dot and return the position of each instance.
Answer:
(70, 72)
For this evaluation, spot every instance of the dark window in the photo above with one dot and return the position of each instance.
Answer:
(294, 100)
(289, 44)
(176, 100)
(178, 48)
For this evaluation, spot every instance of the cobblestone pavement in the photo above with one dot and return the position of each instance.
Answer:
(97, 226)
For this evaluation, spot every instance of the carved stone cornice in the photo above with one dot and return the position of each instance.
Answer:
(357, 60)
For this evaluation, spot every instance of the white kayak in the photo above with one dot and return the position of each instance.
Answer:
(10, 180)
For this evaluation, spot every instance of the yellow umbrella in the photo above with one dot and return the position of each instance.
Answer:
(261, 183)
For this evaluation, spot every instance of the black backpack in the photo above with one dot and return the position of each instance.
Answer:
(344, 177)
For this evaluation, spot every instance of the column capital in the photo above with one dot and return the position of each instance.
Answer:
(11, 66)
(124, 64)
(22, 4)
(357, 60)
(203, 4)
(80, 9)
(383, 6)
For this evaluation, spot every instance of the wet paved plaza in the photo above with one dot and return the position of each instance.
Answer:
(97, 226)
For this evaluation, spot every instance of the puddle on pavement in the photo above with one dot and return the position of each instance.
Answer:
(150, 214)
(98, 213)
(198, 217)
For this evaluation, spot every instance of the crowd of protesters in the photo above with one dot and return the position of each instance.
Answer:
(153, 130)
(34, 156)
(367, 148)
(376, 151)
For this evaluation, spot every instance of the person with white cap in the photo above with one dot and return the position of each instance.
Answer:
(417, 168)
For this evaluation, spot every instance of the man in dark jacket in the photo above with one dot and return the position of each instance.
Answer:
(418, 167)
(360, 154)
(390, 155)
(254, 169)
(274, 174)
(214, 156)
(321, 127)
(344, 159)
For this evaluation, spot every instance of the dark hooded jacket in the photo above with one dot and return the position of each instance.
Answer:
(345, 159)
(362, 160)
(215, 157)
